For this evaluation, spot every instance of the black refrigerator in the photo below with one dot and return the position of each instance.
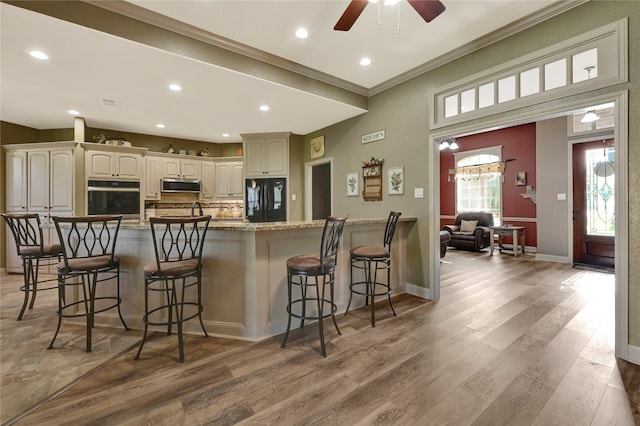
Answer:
(266, 200)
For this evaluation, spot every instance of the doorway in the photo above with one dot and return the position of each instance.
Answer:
(593, 211)
(321, 191)
(318, 178)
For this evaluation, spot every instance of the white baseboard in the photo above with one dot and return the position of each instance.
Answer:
(551, 258)
(414, 290)
(633, 354)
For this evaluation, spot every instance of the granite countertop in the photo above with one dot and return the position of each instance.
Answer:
(270, 226)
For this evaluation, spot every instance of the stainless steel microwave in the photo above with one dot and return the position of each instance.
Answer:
(177, 185)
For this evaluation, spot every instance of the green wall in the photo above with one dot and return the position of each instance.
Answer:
(403, 112)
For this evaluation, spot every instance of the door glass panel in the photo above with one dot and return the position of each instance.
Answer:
(468, 100)
(507, 89)
(600, 184)
(451, 106)
(486, 95)
(585, 65)
(530, 82)
(555, 74)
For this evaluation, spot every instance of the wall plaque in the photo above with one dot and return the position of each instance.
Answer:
(372, 137)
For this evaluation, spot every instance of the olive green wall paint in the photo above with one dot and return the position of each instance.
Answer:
(402, 112)
(296, 177)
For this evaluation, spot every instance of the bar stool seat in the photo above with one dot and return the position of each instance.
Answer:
(89, 268)
(175, 276)
(370, 259)
(30, 246)
(302, 267)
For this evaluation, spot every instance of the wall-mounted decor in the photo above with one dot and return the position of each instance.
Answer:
(372, 176)
(353, 184)
(316, 146)
(521, 178)
(396, 181)
(372, 137)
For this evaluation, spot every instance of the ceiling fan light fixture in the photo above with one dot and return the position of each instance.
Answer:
(589, 117)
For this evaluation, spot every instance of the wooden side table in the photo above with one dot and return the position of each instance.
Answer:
(517, 233)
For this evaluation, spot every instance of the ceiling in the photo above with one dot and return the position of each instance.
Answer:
(116, 83)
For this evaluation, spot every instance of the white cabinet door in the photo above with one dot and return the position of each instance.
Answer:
(100, 164)
(208, 180)
(153, 176)
(190, 169)
(171, 168)
(16, 181)
(61, 180)
(276, 157)
(236, 183)
(254, 158)
(128, 166)
(38, 179)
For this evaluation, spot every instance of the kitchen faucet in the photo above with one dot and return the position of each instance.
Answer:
(193, 207)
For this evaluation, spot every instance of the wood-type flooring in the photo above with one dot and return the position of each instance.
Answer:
(513, 341)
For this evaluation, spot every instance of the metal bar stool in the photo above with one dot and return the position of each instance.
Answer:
(89, 264)
(27, 234)
(176, 275)
(315, 266)
(370, 259)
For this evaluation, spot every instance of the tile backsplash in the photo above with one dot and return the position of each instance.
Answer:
(179, 204)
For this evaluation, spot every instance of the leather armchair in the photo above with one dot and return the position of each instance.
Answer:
(474, 240)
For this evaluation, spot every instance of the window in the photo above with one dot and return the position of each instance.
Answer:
(477, 189)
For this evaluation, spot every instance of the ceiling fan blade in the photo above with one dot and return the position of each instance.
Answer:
(428, 9)
(350, 15)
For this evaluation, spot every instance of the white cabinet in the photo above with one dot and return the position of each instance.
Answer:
(208, 180)
(108, 165)
(181, 168)
(153, 177)
(266, 155)
(16, 181)
(228, 181)
(39, 179)
(50, 181)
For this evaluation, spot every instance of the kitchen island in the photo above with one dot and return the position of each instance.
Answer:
(244, 273)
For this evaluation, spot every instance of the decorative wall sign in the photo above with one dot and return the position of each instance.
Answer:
(372, 137)
(353, 184)
(396, 181)
(316, 146)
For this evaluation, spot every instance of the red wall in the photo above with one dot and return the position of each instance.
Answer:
(519, 144)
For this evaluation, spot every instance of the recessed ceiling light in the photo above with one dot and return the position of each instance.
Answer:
(264, 108)
(225, 135)
(302, 33)
(73, 112)
(39, 55)
(160, 126)
(365, 61)
(175, 87)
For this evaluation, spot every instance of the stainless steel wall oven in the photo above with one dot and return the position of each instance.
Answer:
(114, 197)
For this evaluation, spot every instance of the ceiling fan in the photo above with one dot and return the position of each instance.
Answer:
(428, 9)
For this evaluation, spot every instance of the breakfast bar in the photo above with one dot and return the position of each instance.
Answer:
(244, 272)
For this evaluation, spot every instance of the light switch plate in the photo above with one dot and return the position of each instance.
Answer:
(418, 192)
(562, 197)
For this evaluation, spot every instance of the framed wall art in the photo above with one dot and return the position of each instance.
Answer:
(395, 182)
(353, 184)
(316, 147)
(521, 178)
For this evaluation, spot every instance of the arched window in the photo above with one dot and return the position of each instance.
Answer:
(479, 191)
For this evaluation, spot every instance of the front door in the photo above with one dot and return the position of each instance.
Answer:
(593, 203)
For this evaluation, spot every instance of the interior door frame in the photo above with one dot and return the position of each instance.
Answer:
(528, 115)
(308, 185)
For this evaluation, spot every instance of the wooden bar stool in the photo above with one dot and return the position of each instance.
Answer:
(27, 234)
(176, 275)
(90, 266)
(370, 259)
(301, 268)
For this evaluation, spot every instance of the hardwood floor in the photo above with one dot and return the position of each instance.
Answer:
(511, 342)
